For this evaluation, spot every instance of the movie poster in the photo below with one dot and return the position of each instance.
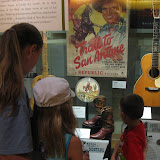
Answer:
(97, 40)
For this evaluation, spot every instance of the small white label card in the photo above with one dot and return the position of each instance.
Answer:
(79, 111)
(119, 84)
(147, 113)
(82, 132)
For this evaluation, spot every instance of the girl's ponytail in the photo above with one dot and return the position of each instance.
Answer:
(11, 74)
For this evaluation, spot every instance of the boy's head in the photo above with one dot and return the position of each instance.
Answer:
(132, 106)
(52, 91)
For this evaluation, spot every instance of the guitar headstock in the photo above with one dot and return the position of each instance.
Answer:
(156, 8)
(44, 36)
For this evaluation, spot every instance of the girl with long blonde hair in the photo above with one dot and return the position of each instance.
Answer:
(54, 122)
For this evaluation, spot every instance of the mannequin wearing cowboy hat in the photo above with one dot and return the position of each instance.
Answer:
(116, 25)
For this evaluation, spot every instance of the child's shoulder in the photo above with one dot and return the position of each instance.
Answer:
(75, 148)
(137, 131)
(75, 140)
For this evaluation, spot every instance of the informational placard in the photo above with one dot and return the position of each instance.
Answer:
(153, 139)
(97, 39)
(95, 147)
(83, 132)
(79, 111)
(44, 14)
(119, 84)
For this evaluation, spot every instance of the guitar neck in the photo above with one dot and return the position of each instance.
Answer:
(45, 60)
(155, 55)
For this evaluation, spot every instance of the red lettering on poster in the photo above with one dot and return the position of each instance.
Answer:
(84, 62)
(90, 72)
(103, 49)
(107, 41)
(94, 44)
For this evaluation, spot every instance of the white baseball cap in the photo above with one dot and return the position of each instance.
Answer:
(52, 91)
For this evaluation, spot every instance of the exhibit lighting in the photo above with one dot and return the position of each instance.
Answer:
(143, 4)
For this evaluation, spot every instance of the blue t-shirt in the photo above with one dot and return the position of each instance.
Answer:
(67, 138)
(15, 131)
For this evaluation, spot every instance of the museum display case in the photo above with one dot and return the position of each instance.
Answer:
(141, 34)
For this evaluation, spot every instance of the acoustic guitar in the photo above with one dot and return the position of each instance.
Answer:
(148, 85)
(44, 64)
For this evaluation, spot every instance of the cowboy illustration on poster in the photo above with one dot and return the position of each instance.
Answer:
(97, 38)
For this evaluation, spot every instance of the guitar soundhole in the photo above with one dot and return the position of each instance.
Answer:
(154, 72)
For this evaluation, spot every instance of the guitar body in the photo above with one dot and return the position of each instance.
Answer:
(142, 87)
(39, 77)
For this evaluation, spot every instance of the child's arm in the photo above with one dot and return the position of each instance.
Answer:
(75, 150)
(86, 156)
(145, 150)
(114, 154)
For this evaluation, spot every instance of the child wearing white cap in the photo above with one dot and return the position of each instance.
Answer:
(54, 121)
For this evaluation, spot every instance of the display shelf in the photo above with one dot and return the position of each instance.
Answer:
(141, 31)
